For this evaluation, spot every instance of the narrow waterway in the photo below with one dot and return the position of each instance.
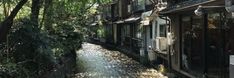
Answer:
(95, 61)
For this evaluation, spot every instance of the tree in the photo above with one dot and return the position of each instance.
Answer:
(47, 15)
(35, 9)
(64, 22)
(5, 26)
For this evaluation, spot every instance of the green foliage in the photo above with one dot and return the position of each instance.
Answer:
(66, 37)
(101, 32)
(31, 51)
(28, 52)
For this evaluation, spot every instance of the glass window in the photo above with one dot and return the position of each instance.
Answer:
(229, 46)
(163, 30)
(141, 4)
(216, 61)
(127, 30)
(148, 2)
(155, 30)
(138, 5)
(186, 43)
(192, 42)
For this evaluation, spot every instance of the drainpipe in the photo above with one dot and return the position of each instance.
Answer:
(145, 48)
(205, 71)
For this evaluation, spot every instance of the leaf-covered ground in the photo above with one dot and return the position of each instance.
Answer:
(95, 61)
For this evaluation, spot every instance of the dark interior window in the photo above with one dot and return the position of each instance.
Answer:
(163, 32)
(192, 39)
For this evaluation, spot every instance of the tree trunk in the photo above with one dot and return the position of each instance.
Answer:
(35, 10)
(48, 13)
(5, 9)
(8, 22)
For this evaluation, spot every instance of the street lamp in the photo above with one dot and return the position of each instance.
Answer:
(198, 11)
(228, 6)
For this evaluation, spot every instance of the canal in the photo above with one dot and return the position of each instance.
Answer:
(94, 61)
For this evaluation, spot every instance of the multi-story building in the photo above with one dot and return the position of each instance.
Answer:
(202, 39)
(106, 18)
(126, 16)
(194, 44)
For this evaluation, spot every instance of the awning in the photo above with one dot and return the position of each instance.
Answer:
(132, 19)
(93, 24)
(128, 20)
(119, 22)
(146, 14)
(145, 17)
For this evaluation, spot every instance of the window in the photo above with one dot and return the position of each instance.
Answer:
(192, 44)
(138, 5)
(120, 8)
(129, 8)
(141, 4)
(116, 10)
(163, 30)
(216, 40)
(148, 2)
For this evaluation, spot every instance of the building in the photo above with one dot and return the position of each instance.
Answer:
(194, 44)
(132, 28)
(201, 41)
(126, 23)
(106, 18)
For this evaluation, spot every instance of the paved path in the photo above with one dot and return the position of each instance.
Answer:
(97, 62)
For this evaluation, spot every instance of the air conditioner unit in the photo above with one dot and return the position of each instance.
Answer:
(162, 44)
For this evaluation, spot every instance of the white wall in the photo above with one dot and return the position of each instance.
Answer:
(155, 24)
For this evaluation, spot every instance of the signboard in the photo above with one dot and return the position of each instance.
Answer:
(231, 67)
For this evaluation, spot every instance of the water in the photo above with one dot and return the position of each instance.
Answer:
(95, 61)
